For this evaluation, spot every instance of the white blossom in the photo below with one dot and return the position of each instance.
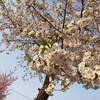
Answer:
(50, 89)
(81, 66)
(97, 69)
(32, 48)
(87, 56)
(31, 33)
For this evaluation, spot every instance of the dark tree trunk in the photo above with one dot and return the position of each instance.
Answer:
(42, 95)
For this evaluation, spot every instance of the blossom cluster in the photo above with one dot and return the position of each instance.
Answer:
(5, 81)
(67, 47)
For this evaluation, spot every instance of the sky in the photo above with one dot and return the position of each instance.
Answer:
(27, 90)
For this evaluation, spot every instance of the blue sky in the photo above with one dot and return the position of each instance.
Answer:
(21, 90)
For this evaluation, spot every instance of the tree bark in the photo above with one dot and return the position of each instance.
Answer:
(42, 95)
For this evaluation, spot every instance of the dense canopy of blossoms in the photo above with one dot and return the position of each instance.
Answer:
(60, 38)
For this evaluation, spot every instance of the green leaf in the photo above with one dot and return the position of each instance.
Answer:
(50, 37)
(61, 38)
(27, 58)
(56, 34)
(44, 43)
(51, 42)
(17, 58)
(43, 49)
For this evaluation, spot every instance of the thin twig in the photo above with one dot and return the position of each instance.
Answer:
(82, 2)
(88, 30)
(65, 12)
(82, 9)
(33, 6)
(25, 41)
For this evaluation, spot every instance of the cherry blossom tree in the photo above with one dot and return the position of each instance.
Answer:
(5, 81)
(60, 38)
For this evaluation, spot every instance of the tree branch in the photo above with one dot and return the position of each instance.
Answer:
(82, 2)
(33, 6)
(64, 20)
(42, 94)
(65, 12)
(25, 41)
